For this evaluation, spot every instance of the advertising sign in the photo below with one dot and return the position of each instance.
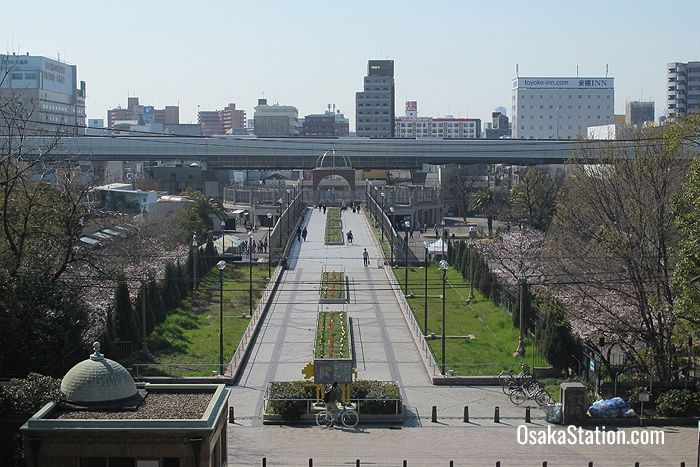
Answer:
(563, 83)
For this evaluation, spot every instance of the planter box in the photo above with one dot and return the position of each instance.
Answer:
(332, 340)
(333, 287)
(388, 419)
(334, 228)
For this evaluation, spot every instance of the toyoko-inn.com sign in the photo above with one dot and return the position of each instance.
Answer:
(566, 83)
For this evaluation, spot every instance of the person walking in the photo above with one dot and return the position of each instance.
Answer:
(304, 233)
(365, 257)
(298, 233)
(350, 237)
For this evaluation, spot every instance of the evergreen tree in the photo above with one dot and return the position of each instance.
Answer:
(125, 327)
(485, 279)
(171, 289)
(182, 279)
(450, 253)
(556, 338)
(210, 254)
(155, 301)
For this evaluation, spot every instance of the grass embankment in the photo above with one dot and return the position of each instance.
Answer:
(332, 335)
(495, 338)
(191, 337)
(333, 285)
(334, 227)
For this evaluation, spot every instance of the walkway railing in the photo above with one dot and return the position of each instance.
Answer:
(426, 353)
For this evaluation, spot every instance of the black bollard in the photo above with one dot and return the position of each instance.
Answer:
(434, 417)
(497, 415)
(544, 464)
(498, 463)
(466, 414)
(357, 462)
(311, 462)
(636, 464)
(527, 414)
(405, 463)
(231, 418)
(264, 461)
(452, 463)
(590, 464)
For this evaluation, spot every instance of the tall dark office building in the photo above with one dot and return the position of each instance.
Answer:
(374, 107)
(638, 112)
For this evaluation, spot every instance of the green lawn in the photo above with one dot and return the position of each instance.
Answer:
(495, 337)
(191, 338)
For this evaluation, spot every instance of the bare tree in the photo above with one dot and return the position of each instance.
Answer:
(613, 236)
(532, 200)
(459, 189)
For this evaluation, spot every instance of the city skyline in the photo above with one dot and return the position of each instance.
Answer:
(315, 54)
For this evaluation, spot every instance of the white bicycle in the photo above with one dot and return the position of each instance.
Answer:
(346, 414)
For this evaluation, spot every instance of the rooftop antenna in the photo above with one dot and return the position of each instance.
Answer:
(577, 71)
(606, 70)
(516, 70)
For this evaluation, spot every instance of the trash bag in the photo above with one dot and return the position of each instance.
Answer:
(552, 413)
(609, 408)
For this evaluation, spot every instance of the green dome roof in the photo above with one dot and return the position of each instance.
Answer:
(97, 379)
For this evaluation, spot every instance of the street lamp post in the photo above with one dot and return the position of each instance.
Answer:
(443, 271)
(144, 281)
(194, 265)
(223, 227)
(425, 291)
(250, 273)
(269, 245)
(471, 269)
(221, 265)
(391, 242)
(279, 237)
(522, 283)
(383, 199)
(407, 225)
(288, 209)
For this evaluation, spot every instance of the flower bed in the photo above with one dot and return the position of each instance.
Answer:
(292, 400)
(332, 335)
(333, 287)
(334, 227)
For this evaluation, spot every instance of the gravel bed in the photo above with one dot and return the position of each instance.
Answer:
(155, 406)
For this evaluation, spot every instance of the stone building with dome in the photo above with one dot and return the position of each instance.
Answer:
(105, 419)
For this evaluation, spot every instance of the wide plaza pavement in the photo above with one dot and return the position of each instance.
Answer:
(385, 350)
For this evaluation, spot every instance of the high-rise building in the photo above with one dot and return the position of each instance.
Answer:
(48, 90)
(637, 112)
(221, 122)
(275, 120)
(500, 126)
(143, 114)
(413, 126)
(374, 106)
(683, 96)
(560, 108)
(329, 123)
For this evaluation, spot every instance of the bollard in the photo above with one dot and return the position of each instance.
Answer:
(231, 418)
(544, 464)
(452, 463)
(264, 461)
(682, 464)
(527, 414)
(590, 464)
(497, 415)
(636, 464)
(466, 414)
(357, 462)
(405, 463)
(434, 417)
(311, 462)
(498, 463)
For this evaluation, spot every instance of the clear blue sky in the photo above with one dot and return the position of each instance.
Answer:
(453, 57)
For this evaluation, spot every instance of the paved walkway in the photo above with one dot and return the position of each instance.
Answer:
(384, 350)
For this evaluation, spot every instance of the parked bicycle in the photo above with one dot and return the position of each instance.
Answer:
(346, 414)
(522, 387)
(510, 381)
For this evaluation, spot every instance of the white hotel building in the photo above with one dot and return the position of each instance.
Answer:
(412, 126)
(561, 108)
